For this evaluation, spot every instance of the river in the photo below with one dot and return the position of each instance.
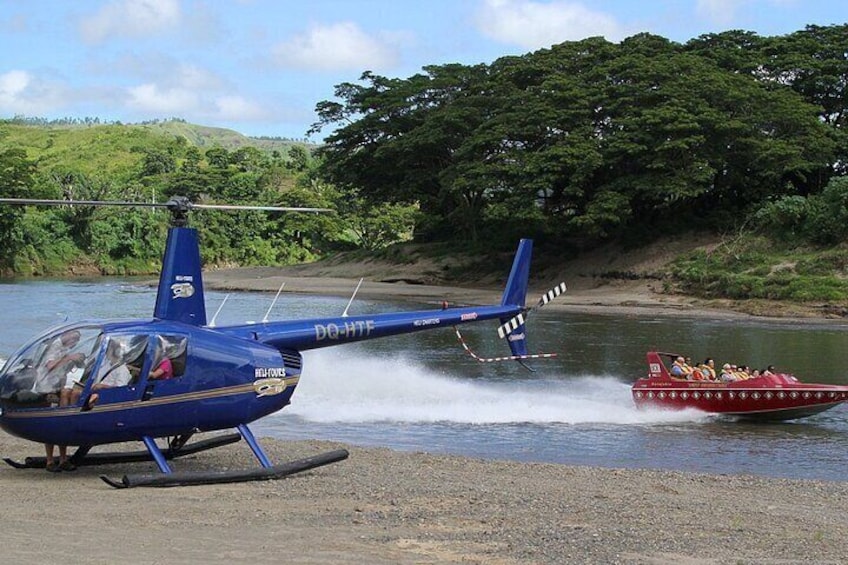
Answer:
(422, 392)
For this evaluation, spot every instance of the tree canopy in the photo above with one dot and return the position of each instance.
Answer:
(592, 140)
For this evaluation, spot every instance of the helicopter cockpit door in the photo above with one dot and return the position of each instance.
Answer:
(122, 362)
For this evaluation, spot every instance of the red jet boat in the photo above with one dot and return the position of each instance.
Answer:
(777, 396)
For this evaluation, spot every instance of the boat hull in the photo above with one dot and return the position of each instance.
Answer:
(773, 397)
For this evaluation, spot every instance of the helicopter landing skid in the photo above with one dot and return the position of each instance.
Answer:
(218, 477)
(84, 459)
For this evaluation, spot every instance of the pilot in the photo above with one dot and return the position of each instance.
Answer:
(114, 371)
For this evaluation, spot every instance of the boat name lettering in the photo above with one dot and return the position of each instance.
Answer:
(516, 337)
(269, 387)
(346, 330)
(184, 278)
(468, 317)
(427, 322)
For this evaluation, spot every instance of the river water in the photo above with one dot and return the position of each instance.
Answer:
(422, 392)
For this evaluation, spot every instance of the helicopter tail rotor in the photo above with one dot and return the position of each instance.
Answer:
(518, 320)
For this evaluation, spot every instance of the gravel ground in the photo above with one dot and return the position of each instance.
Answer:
(386, 507)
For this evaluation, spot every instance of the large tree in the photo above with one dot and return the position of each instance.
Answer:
(586, 139)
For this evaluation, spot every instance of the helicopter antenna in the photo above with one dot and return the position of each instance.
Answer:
(271, 307)
(352, 296)
(218, 311)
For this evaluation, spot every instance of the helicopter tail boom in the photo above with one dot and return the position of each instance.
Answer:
(301, 335)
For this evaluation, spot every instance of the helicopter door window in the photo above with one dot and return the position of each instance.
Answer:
(122, 362)
(170, 358)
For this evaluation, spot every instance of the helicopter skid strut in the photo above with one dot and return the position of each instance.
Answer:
(218, 477)
(167, 478)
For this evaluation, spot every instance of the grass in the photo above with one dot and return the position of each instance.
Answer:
(753, 267)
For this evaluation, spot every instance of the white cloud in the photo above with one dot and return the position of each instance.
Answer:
(153, 100)
(134, 18)
(170, 101)
(534, 25)
(23, 93)
(340, 46)
(194, 77)
(13, 84)
(238, 108)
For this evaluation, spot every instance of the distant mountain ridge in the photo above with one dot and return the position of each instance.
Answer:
(199, 135)
(209, 136)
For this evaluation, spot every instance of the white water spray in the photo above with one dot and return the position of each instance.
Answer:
(337, 386)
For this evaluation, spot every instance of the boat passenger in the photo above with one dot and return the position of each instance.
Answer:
(707, 369)
(727, 374)
(768, 371)
(680, 369)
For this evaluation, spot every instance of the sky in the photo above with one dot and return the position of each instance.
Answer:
(259, 67)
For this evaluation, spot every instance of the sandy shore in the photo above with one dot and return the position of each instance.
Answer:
(385, 507)
(584, 294)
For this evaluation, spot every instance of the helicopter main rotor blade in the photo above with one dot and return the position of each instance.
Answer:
(266, 208)
(170, 204)
(48, 202)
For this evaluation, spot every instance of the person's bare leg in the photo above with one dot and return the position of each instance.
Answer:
(51, 464)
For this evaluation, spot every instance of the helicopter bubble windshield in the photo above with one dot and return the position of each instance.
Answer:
(48, 363)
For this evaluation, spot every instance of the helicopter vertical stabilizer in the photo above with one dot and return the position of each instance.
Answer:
(180, 295)
(515, 294)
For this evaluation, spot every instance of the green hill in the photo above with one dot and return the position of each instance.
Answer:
(115, 150)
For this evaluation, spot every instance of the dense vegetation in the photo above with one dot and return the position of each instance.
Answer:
(592, 141)
(577, 145)
(153, 162)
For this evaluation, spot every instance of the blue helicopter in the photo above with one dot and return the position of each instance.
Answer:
(92, 383)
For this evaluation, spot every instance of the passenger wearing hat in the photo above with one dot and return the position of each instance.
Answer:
(727, 374)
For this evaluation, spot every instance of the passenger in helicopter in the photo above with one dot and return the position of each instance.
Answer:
(164, 368)
(59, 361)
